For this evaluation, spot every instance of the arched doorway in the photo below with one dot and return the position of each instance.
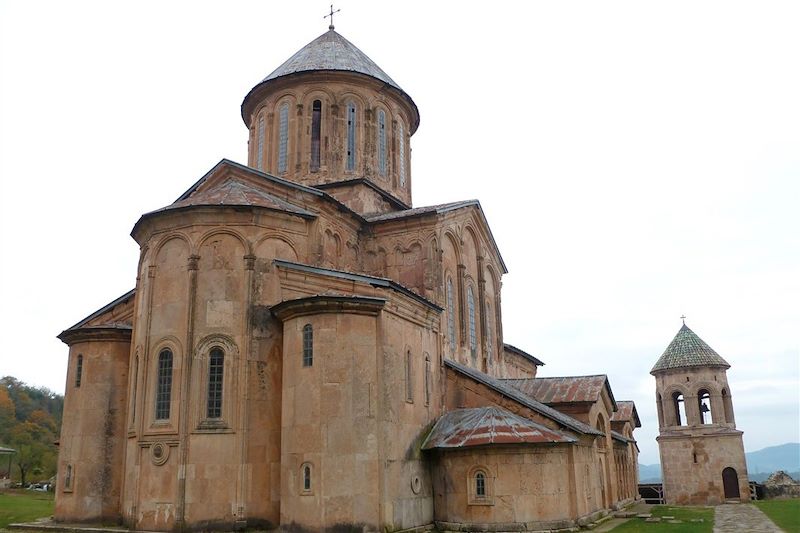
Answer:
(730, 483)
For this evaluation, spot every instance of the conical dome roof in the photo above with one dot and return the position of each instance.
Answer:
(687, 349)
(331, 51)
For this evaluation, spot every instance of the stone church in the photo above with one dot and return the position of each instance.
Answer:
(305, 349)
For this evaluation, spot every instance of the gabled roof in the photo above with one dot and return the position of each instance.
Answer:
(620, 437)
(331, 51)
(509, 348)
(686, 350)
(106, 308)
(481, 426)
(510, 392)
(233, 192)
(571, 389)
(626, 411)
(438, 210)
(363, 278)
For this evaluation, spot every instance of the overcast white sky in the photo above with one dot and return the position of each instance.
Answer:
(636, 161)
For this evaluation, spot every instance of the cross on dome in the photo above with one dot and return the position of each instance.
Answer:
(330, 27)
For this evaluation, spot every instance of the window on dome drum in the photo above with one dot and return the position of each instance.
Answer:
(78, 371)
(473, 341)
(306, 470)
(409, 378)
(680, 408)
(68, 478)
(351, 136)
(260, 144)
(451, 319)
(402, 155)
(216, 362)
(283, 137)
(489, 347)
(308, 345)
(316, 127)
(382, 142)
(164, 385)
(704, 405)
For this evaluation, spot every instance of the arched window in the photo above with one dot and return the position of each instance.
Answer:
(451, 319)
(409, 377)
(316, 128)
(473, 341)
(427, 379)
(401, 154)
(283, 136)
(306, 473)
(489, 347)
(260, 143)
(308, 345)
(135, 386)
(351, 136)
(480, 484)
(216, 362)
(704, 406)
(382, 142)
(164, 384)
(78, 370)
(680, 408)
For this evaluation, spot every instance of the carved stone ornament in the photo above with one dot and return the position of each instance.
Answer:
(159, 453)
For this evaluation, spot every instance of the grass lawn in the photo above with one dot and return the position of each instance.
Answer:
(686, 514)
(24, 506)
(785, 513)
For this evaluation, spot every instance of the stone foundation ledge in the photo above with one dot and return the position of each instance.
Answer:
(63, 527)
(509, 527)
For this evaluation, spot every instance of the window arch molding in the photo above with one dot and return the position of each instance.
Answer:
(201, 376)
(480, 485)
(382, 123)
(306, 478)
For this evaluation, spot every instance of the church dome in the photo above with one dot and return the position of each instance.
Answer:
(332, 53)
(687, 350)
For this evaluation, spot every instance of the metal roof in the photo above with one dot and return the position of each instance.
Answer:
(510, 392)
(570, 389)
(481, 426)
(687, 349)
(509, 348)
(626, 411)
(331, 51)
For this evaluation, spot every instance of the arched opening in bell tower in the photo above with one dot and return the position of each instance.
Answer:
(704, 406)
(680, 408)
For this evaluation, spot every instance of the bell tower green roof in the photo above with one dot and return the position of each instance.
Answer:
(688, 350)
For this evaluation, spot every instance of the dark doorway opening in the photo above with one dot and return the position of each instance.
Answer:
(730, 483)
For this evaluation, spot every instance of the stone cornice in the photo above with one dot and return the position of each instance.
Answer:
(315, 305)
(114, 333)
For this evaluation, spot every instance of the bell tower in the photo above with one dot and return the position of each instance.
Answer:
(702, 455)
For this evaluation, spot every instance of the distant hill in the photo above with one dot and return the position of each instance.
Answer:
(760, 463)
(784, 457)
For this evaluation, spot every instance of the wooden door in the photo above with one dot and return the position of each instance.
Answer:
(730, 483)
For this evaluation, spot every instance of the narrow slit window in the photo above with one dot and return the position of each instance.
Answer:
(260, 144)
(133, 392)
(351, 136)
(308, 345)
(283, 137)
(164, 385)
(427, 379)
(451, 319)
(79, 371)
(68, 478)
(216, 363)
(316, 129)
(306, 478)
(409, 378)
(401, 155)
(382, 142)
(473, 341)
